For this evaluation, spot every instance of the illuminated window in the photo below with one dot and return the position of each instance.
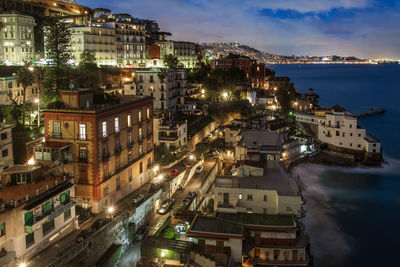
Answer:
(129, 119)
(140, 115)
(104, 128)
(82, 131)
(116, 120)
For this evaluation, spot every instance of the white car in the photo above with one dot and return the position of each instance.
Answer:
(199, 169)
(165, 206)
(138, 198)
(186, 202)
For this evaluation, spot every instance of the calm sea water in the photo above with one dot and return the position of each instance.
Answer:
(353, 214)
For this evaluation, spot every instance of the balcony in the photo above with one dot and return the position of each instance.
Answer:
(105, 157)
(81, 137)
(226, 207)
(118, 150)
(163, 137)
(56, 135)
(83, 160)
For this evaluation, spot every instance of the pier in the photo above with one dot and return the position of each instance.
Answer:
(371, 112)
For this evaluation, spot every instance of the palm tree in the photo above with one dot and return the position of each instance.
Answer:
(25, 78)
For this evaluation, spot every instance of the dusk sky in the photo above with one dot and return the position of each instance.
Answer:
(363, 28)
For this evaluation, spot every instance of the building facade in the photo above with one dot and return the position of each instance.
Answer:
(6, 147)
(12, 92)
(186, 52)
(111, 141)
(165, 90)
(172, 134)
(36, 211)
(97, 38)
(17, 40)
(253, 71)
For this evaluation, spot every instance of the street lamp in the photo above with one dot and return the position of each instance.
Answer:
(37, 101)
(225, 95)
(22, 264)
(110, 211)
(156, 168)
(160, 177)
(191, 157)
(30, 68)
(31, 161)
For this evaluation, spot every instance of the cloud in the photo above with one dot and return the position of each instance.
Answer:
(363, 28)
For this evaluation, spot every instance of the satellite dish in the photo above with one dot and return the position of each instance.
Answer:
(71, 86)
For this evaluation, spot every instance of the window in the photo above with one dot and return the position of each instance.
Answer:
(140, 149)
(67, 214)
(265, 198)
(130, 175)
(57, 129)
(351, 126)
(48, 227)
(351, 144)
(106, 191)
(151, 79)
(82, 131)
(351, 134)
(116, 120)
(358, 145)
(83, 153)
(374, 145)
(3, 136)
(2, 229)
(147, 113)
(4, 153)
(129, 120)
(140, 133)
(140, 115)
(104, 128)
(249, 197)
(129, 138)
(337, 133)
(240, 196)
(359, 135)
(64, 197)
(21, 178)
(118, 183)
(29, 240)
(343, 134)
(140, 167)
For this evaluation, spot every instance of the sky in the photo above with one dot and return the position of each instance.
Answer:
(362, 28)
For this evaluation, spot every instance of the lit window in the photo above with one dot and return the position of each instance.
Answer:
(104, 127)
(140, 133)
(116, 124)
(140, 115)
(240, 196)
(82, 131)
(148, 113)
(129, 119)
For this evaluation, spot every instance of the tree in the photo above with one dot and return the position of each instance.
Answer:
(286, 98)
(84, 75)
(58, 50)
(172, 62)
(25, 78)
(88, 60)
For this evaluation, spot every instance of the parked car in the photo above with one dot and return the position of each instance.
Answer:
(174, 172)
(138, 198)
(209, 135)
(99, 223)
(180, 188)
(83, 235)
(199, 169)
(191, 195)
(166, 205)
(186, 202)
(142, 232)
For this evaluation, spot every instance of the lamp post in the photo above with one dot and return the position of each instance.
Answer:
(37, 101)
(110, 211)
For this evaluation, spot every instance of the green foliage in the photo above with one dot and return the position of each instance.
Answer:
(25, 78)
(132, 228)
(172, 62)
(10, 114)
(202, 148)
(286, 98)
(88, 60)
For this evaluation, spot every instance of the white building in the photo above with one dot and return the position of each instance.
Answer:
(173, 134)
(35, 212)
(184, 51)
(97, 38)
(6, 147)
(340, 129)
(164, 90)
(272, 193)
(17, 43)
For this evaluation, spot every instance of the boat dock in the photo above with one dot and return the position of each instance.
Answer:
(371, 112)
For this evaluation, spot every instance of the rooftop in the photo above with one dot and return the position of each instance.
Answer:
(18, 168)
(262, 140)
(371, 138)
(259, 219)
(209, 224)
(273, 179)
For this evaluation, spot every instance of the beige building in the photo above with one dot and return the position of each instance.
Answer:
(10, 88)
(97, 38)
(173, 134)
(164, 90)
(17, 43)
(6, 147)
(35, 212)
(272, 193)
(184, 51)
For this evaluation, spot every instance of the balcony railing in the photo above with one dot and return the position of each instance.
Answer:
(56, 135)
(83, 160)
(105, 157)
(118, 150)
(81, 137)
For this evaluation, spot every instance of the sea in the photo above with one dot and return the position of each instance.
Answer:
(353, 214)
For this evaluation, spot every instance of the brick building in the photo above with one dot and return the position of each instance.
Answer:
(106, 142)
(254, 72)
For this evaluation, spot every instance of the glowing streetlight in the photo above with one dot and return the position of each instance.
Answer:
(156, 168)
(22, 264)
(191, 157)
(162, 254)
(275, 88)
(31, 161)
(203, 91)
(225, 95)
(36, 100)
(30, 68)
(160, 177)
(110, 211)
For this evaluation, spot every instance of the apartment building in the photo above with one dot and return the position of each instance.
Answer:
(97, 38)
(6, 147)
(340, 129)
(272, 193)
(253, 71)
(36, 210)
(111, 141)
(186, 52)
(173, 134)
(276, 82)
(165, 90)
(17, 40)
(248, 239)
(130, 42)
(11, 91)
